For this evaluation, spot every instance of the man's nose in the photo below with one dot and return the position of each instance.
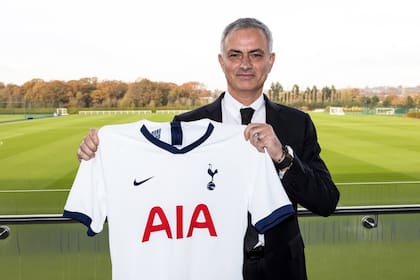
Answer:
(246, 62)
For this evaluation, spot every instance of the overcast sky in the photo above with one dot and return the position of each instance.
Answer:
(346, 43)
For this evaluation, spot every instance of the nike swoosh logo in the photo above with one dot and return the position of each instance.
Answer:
(135, 183)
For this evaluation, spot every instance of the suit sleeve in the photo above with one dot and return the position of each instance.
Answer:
(308, 182)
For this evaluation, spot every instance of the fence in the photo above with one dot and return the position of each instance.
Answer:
(375, 243)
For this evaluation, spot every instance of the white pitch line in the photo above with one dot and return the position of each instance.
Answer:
(28, 191)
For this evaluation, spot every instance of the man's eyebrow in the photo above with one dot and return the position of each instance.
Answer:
(251, 51)
(234, 51)
(257, 50)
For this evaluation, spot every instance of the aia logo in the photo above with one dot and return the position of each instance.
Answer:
(158, 221)
(211, 185)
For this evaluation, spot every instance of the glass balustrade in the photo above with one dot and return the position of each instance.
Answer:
(375, 243)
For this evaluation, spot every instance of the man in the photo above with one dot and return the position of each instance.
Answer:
(286, 134)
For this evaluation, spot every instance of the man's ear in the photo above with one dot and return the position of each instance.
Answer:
(220, 58)
(272, 58)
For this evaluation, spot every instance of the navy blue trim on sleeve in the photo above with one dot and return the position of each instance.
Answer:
(82, 218)
(274, 218)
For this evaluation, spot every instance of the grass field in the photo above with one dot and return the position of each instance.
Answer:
(373, 159)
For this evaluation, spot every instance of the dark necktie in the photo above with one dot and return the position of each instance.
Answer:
(246, 115)
(251, 235)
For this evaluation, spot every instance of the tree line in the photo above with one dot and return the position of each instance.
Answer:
(92, 93)
(313, 97)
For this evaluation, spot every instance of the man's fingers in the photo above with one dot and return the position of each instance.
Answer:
(79, 154)
(258, 142)
(262, 136)
(93, 133)
(84, 152)
(251, 130)
(89, 144)
(88, 147)
(257, 137)
(82, 155)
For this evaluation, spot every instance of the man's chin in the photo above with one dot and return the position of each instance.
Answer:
(247, 86)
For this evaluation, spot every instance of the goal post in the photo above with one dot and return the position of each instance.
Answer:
(385, 111)
(61, 112)
(336, 111)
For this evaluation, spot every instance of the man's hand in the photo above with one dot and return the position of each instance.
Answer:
(262, 136)
(89, 145)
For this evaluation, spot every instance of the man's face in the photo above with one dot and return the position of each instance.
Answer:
(246, 61)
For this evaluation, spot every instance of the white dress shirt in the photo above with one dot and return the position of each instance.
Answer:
(231, 107)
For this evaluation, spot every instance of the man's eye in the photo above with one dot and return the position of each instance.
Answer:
(256, 55)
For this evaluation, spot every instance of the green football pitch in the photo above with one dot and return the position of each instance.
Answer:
(374, 160)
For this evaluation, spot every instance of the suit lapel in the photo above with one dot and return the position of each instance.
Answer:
(271, 113)
(214, 110)
(281, 125)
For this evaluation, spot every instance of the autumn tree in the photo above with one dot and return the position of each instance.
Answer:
(3, 96)
(375, 100)
(98, 97)
(306, 96)
(112, 92)
(349, 96)
(325, 95)
(139, 94)
(275, 91)
(295, 93)
(89, 92)
(13, 96)
(390, 100)
(409, 102)
(417, 100)
(314, 94)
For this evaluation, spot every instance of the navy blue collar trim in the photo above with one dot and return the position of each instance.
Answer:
(173, 149)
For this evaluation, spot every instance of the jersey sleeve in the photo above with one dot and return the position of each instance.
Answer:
(86, 200)
(269, 203)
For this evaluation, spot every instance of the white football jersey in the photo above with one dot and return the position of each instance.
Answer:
(176, 197)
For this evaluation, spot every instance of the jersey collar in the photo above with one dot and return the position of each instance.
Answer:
(176, 130)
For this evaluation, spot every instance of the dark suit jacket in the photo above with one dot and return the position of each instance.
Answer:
(307, 183)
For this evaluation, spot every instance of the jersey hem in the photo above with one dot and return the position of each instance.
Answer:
(275, 218)
(82, 218)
